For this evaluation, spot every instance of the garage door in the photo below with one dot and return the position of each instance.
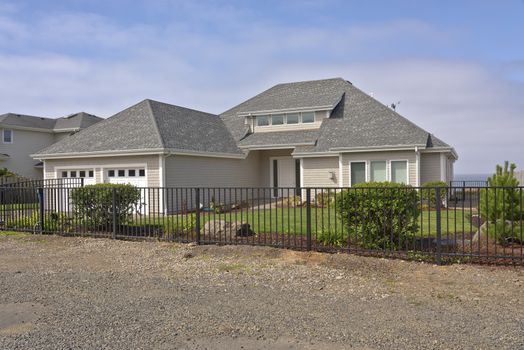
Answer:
(133, 176)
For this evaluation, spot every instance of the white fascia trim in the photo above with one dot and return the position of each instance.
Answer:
(65, 130)
(315, 155)
(340, 171)
(283, 146)
(136, 152)
(440, 150)
(206, 154)
(286, 110)
(26, 128)
(375, 148)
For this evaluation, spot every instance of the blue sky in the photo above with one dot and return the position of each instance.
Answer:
(456, 66)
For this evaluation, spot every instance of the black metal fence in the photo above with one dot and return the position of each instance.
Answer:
(430, 224)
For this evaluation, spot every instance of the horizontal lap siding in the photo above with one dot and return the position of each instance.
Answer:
(429, 167)
(381, 156)
(208, 172)
(317, 172)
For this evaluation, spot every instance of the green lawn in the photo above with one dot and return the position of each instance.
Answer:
(18, 206)
(293, 221)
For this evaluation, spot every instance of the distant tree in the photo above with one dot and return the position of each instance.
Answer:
(6, 172)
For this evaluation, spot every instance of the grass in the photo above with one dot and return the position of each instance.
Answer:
(293, 221)
(18, 206)
(13, 234)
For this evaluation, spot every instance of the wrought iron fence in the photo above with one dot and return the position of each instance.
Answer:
(405, 222)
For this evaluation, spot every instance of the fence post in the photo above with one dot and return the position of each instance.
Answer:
(308, 217)
(81, 182)
(439, 228)
(197, 223)
(114, 212)
(41, 211)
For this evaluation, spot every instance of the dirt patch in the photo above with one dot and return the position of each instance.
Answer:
(18, 318)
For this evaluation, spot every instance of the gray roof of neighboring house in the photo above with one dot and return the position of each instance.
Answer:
(75, 121)
(151, 125)
(79, 120)
(357, 121)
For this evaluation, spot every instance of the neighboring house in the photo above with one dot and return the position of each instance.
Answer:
(23, 135)
(324, 133)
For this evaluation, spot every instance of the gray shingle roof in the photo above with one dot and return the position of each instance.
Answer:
(357, 121)
(280, 138)
(79, 120)
(27, 121)
(75, 121)
(151, 125)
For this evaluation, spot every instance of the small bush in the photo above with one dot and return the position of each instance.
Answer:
(324, 198)
(501, 201)
(379, 215)
(428, 193)
(93, 204)
(180, 225)
(504, 232)
(331, 237)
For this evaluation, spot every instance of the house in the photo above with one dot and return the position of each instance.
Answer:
(324, 133)
(23, 135)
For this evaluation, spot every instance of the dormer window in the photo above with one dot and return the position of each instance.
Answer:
(263, 120)
(277, 119)
(292, 118)
(308, 117)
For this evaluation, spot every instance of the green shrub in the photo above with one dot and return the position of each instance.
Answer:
(428, 193)
(93, 204)
(180, 224)
(53, 222)
(501, 201)
(504, 231)
(379, 214)
(324, 198)
(331, 237)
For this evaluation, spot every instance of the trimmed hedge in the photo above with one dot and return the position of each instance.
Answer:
(379, 215)
(428, 193)
(93, 204)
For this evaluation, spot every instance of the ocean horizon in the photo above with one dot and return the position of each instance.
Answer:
(471, 177)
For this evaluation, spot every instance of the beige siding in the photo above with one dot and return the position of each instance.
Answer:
(317, 172)
(190, 171)
(380, 156)
(99, 164)
(429, 167)
(24, 144)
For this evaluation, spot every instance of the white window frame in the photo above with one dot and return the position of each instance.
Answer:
(366, 170)
(314, 118)
(137, 167)
(389, 169)
(268, 121)
(12, 136)
(58, 171)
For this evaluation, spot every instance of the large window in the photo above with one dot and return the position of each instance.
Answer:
(378, 171)
(7, 136)
(358, 172)
(399, 171)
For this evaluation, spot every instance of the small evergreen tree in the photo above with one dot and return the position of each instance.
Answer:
(501, 200)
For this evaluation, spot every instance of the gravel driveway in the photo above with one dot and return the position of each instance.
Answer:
(84, 293)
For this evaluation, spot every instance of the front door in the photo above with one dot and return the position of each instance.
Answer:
(283, 175)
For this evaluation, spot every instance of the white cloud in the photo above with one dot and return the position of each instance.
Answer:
(83, 61)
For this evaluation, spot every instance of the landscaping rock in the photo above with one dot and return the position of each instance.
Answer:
(220, 229)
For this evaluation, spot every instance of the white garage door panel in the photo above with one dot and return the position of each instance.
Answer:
(131, 176)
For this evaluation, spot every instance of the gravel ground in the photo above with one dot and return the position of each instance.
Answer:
(85, 293)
